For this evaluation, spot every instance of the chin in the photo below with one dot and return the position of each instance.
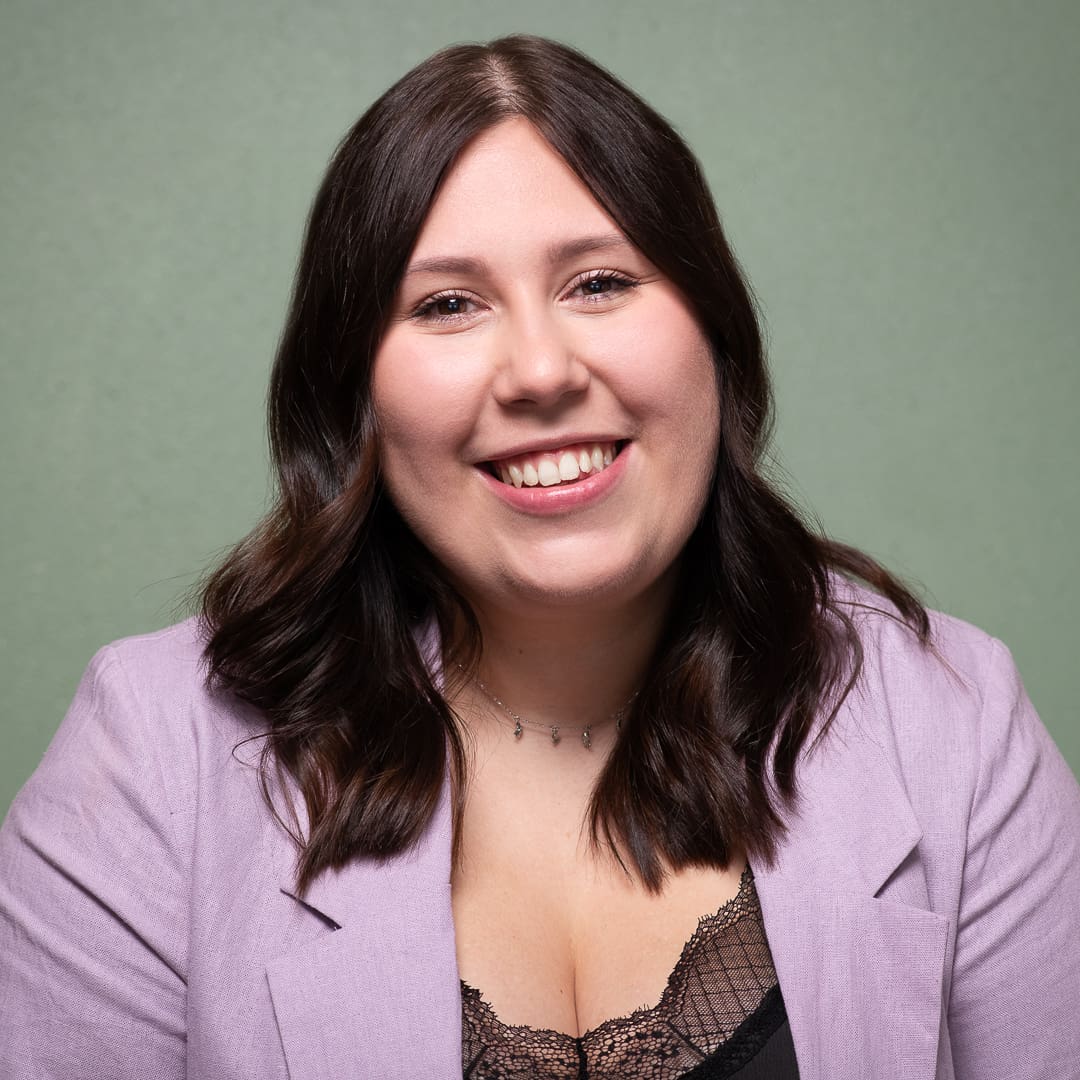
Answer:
(570, 587)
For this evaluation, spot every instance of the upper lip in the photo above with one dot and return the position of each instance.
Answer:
(555, 442)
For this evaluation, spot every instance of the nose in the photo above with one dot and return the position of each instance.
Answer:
(538, 365)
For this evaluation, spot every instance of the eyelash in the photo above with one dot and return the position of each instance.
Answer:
(426, 313)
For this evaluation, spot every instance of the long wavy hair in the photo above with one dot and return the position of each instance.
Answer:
(313, 617)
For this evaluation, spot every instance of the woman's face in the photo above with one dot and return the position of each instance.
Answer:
(547, 402)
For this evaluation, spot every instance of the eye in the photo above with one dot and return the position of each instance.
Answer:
(444, 308)
(598, 286)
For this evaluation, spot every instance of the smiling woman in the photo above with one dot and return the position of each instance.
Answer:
(570, 364)
(333, 825)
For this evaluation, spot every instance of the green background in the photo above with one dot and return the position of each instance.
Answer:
(900, 181)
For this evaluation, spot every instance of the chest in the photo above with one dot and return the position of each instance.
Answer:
(365, 970)
(556, 934)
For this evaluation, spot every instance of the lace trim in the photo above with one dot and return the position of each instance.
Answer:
(717, 994)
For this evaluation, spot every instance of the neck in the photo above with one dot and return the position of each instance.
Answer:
(571, 666)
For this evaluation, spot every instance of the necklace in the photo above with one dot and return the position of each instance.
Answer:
(554, 729)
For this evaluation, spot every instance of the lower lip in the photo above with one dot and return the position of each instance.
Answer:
(561, 498)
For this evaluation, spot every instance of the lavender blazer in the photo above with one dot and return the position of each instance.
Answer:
(924, 914)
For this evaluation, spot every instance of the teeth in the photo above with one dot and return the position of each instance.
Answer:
(549, 472)
(558, 467)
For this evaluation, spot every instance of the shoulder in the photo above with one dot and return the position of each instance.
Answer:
(163, 672)
(170, 659)
(931, 714)
(139, 829)
(952, 718)
(151, 775)
(891, 646)
(144, 718)
(909, 690)
(998, 809)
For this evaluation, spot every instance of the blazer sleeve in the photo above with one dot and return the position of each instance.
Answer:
(1016, 975)
(93, 904)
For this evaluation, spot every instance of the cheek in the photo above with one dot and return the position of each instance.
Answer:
(695, 385)
(695, 390)
(672, 383)
(424, 409)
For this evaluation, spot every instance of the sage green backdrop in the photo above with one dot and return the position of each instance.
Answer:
(900, 181)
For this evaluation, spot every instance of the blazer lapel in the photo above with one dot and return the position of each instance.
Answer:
(377, 995)
(861, 973)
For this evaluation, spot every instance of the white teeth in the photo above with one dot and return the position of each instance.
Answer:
(550, 469)
(548, 472)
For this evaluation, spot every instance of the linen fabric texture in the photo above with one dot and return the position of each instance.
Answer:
(923, 914)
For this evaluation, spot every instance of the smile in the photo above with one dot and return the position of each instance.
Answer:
(565, 465)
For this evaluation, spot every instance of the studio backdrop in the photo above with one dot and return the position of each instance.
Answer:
(899, 181)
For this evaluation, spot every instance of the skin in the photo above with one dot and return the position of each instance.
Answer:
(512, 349)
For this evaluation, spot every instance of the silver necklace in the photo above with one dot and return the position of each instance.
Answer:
(554, 729)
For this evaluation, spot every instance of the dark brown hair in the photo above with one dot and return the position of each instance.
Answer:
(312, 618)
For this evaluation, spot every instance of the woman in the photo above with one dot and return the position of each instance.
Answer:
(532, 734)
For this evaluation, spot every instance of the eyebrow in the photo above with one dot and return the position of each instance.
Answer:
(556, 253)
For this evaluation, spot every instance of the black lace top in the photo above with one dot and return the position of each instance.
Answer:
(720, 1015)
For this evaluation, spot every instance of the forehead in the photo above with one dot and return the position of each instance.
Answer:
(510, 191)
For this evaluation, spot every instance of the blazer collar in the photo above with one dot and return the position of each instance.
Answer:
(378, 993)
(861, 973)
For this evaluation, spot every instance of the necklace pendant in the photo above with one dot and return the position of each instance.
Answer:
(517, 730)
(555, 734)
(586, 738)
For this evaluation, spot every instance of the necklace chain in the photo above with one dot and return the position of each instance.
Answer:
(554, 729)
